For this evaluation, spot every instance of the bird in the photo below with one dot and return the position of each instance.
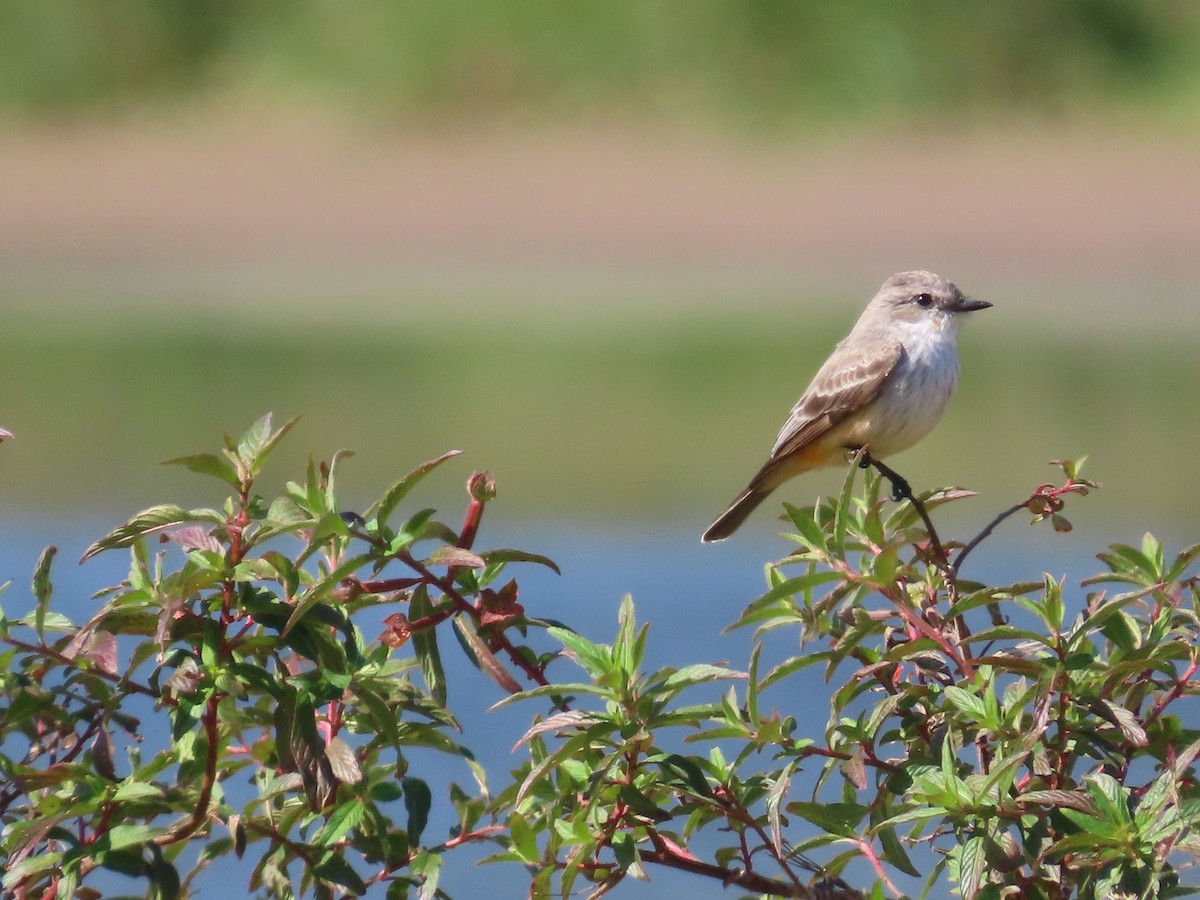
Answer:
(882, 389)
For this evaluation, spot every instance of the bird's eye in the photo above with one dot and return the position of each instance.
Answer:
(924, 300)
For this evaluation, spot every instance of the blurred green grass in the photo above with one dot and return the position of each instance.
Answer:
(659, 423)
(767, 63)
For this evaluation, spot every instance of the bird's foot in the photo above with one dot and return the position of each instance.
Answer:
(901, 490)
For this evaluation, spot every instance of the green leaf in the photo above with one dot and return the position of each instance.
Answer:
(1185, 558)
(148, 521)
(259, 440)
(425, 646)
(842, 513)
(626, 652)
(801, 584)
(625, 850)
(972, 861)
(555, 691)
(523, 842)
(121, 836)
(642, 805)
(417, 801)
(964, 700)
(208, 464)
(345, 817)
(573, 747)
(336, 870)
(135, 790)
(397, 492)
(810, 532)
(321, 589)
(493, 557)
(894, 852)
(1109, 796)
(684, 767)
(790, 667)
(841, 819)
(699, 673)
(594, 658)
(31, 866)
(42, 588)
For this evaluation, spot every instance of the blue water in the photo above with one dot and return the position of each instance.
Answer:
(688, 592)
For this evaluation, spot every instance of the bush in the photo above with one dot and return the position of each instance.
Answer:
(978, 734)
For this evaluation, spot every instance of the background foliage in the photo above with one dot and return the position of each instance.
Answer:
(765, 62)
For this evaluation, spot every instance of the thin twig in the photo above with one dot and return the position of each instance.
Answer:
(663, 855)
(983, 535)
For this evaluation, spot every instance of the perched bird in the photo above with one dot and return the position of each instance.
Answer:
(882, 389)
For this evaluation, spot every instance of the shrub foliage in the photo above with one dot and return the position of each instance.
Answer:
(260, 686)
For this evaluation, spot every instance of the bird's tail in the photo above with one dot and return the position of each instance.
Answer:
(731, 520)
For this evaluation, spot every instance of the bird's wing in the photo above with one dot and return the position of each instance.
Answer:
(850, 379)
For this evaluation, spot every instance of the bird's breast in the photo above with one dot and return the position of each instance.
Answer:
(912, 401)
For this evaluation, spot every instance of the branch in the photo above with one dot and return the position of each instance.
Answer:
(983, 535)
(92, 669)
(1046, 492)
(664, 854)
(446, 587)
(200, 813)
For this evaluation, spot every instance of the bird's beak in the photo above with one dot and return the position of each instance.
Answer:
(966, 304)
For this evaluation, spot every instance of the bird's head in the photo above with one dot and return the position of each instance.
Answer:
(922, 300)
